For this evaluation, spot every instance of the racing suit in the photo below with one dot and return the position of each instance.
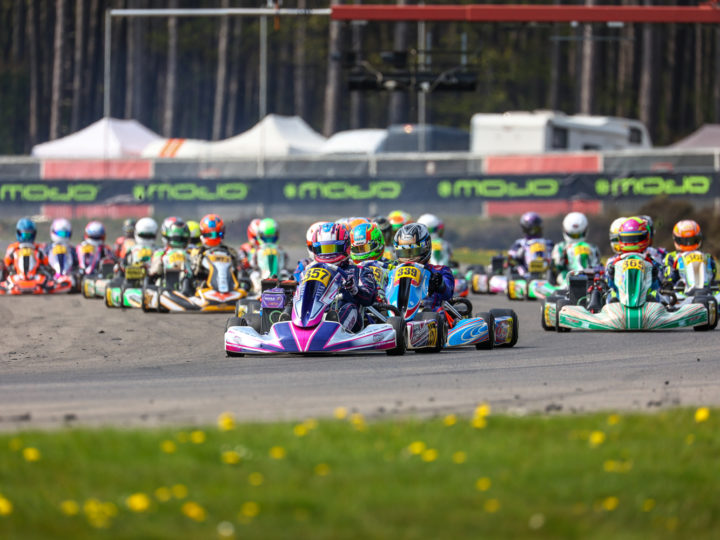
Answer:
(8, 262)
(561, 262)
(671, 272)
(90, 255)
(196, 266)
(654, 292)
(122, 246)
(516, 253)
(442, 286)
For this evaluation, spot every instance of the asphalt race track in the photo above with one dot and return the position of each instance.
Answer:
(66, 360)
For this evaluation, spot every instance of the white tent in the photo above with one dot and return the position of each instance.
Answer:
(708, 136)
(108, 138)
(273, 136)
(354, 141)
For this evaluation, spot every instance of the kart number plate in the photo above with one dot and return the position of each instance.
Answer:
(378, 273)
(537, 247)
(87, 248)
(408, 272)
(318, 274)
(538, 265)
(632, 264)
(693, 257)
(26, 252)
(59, 249)
(176, 258)
(135, 272)
(220, 258)
(582, 250)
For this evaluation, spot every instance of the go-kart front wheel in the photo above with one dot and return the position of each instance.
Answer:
(234, 321)
(441, 325)
(490, 343)
(712, 308)
(515, 326)
(398, 324)
(543, 320)
(558, 308)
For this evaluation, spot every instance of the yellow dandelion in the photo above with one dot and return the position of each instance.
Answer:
(322, 469)
(450, 420)
(179, 491)
(417, 447)
(429, 455)
(483, 483)
(6, 507)
(250, 509)
(168, 446)
(197, 436)
(596, 438)
(256, 479)
(482, 410)
(278, 452)
(31, 454)
(491, 506)
(610, 503)
(459, 457)
(15, 444)
(690, 439)
(69, 507)
(613, 419)
(340, 413)
(163, 494)
(226, 421)
(648, 505)
(702, 414)
(300, 430)
(230, 457)
(194, 511)
(358, 421)
(138, 502)
(479, 422)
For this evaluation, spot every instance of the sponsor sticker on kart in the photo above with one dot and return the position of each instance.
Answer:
(145, 254)
(632, 264)
(582, 250)
(220, 258)
(135, 272)
(695, 256)
(408, 272)
(432, 334)
(317, 274)
(269, 251)
(537, 265)
(537, 247)
(176, 258)
(26, 252)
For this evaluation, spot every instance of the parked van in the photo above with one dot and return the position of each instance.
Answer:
(529, 132)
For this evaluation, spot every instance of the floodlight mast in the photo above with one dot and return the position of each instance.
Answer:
(263, 13)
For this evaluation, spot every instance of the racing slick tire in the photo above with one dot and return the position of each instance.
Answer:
(441, 330)
(234, 321)
(490, 343)
(253, 320)
(516, 327)
(711, 305)
(398, 324)
(108, 295)
(143, 302)
(543, 322)
(84, 288)
(558, 307)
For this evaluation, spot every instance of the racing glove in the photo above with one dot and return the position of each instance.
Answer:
(350, 285)
(436, 283)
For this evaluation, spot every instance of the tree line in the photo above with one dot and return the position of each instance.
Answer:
(199, 77)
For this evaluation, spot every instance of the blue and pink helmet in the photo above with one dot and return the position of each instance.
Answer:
(331, 243)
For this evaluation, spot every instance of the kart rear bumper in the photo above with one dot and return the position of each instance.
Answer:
(651, 316)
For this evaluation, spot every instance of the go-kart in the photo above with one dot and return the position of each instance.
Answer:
(695, 278)
(586, 288)
(28, 276)
(537, 280)
(632, 310)
(492, 280)
(174, 291)
(453, 325)
(61, 261)
(580, 258)
(313, 327)
(270, 264)
(126, 289)
(96, 271)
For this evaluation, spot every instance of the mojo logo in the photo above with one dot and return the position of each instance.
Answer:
(498, 188)
(190, 191)
(653, 185)
(46, 192)
(334, 190)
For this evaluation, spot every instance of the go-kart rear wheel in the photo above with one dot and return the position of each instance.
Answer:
(234, 321)
(398, 324)
(490, 343)
(558, 307)
(543, 321)
(711, 305)
(515, 326)
(108, 298)
(441, 323)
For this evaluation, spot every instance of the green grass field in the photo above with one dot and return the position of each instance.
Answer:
(585, 476)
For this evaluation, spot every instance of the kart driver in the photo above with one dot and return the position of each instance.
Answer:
(531, 224)
(687, 236)
(575, 226)
(94, 242)
(441, 248)
(25, 233)
(178, 236)
(367, 247)
(123, 243)
(212, 232)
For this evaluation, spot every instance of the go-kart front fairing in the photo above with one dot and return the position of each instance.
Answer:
(30, 277)
(309, 331)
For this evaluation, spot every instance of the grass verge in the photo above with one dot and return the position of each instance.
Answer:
(590, 476)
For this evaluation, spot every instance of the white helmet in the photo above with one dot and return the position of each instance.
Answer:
(574, 226)
(434, 224)
(309, 236)
(614, 233)
(146, 230)
(60, 231)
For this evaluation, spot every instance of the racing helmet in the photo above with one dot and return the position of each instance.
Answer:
(435, 225)
(310, 234)
(165, 227)
(212, 230)
(128, 228)
(412, 243)
(95, 233)
(146, 230)
(614, 233)
(574, 226)
(194, 228)
(633, 235)
(397, 219)
(178, 234)
(252, 232)
(687, 235)
(25, 230)
(355, 221)
(331, 243)
(366, 242)
(60, 231)
(531, 224)
(385, 228)
(268, 231)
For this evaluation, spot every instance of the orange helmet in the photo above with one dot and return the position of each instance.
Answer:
(212, 230)
(687, 235)
(397, 219)
(252, 232)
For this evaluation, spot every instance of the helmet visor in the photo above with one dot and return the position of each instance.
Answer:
(576, 235)
(691, 241)
(212, 234)
(410, 251)
(362, 249)
(25, 236)
(633, 237)
(146, 235)
(62, 233)
(329, 248)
